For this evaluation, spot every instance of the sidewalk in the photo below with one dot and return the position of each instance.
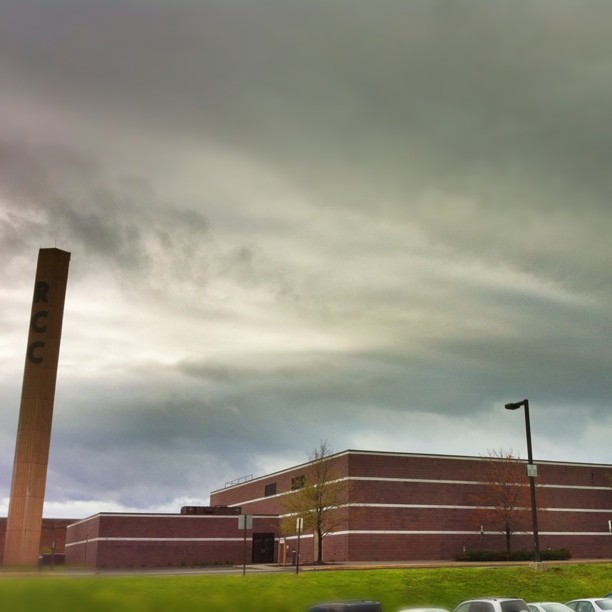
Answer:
(274, 568)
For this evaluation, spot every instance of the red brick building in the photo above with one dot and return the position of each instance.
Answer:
(417, 507)
(400, 507)
(114, 540)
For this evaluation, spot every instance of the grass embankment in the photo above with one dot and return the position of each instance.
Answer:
(394, 588)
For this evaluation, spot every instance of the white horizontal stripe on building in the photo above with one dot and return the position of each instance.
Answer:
(431, 532)
(606, 510)
(128, 539)
(427, 506)
(450, 507)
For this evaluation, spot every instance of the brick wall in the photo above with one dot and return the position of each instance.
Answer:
(162, 540)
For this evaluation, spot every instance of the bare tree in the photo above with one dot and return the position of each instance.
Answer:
(503, 502)
(319, 498)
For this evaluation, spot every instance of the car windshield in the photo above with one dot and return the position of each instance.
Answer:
(515, 605)
(604, 604)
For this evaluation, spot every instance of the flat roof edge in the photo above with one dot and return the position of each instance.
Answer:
(404, 454)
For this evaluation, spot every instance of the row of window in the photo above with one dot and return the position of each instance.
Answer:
(296, 483)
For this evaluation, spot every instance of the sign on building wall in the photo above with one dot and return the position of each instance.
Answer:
(245, 521)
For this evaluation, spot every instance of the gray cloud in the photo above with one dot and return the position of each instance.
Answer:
(371, 223)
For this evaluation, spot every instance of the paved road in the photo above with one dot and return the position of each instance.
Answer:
(157, 571)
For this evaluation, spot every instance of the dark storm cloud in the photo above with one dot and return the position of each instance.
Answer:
(422, 96)
(62, 195)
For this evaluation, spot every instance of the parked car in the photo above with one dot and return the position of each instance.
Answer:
(590, 604)
(493, 604)
(548, 606)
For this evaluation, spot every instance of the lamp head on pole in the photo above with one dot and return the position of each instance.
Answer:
(516, 405)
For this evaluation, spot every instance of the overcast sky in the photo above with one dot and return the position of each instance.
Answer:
(371, 223)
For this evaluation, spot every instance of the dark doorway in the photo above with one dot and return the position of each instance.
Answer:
(263, 548)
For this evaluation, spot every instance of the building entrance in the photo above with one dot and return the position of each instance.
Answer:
(263, 548)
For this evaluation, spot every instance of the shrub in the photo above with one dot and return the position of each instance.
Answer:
(559, 554)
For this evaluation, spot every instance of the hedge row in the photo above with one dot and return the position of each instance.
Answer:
(515, 555)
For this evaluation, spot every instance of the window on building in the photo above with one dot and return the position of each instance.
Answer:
(270, 489)
(298, 482)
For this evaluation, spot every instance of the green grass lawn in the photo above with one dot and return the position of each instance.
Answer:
(394, 588)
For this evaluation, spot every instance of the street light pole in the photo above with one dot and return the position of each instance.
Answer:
(531, 472)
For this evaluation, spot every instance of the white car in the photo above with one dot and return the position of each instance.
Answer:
(590, 604)
(493, 604)
(548, 606)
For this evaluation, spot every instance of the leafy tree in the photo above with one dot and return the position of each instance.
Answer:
(319, 498)
(503, 502)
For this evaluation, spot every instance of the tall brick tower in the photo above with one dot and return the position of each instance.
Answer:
(24, 522)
